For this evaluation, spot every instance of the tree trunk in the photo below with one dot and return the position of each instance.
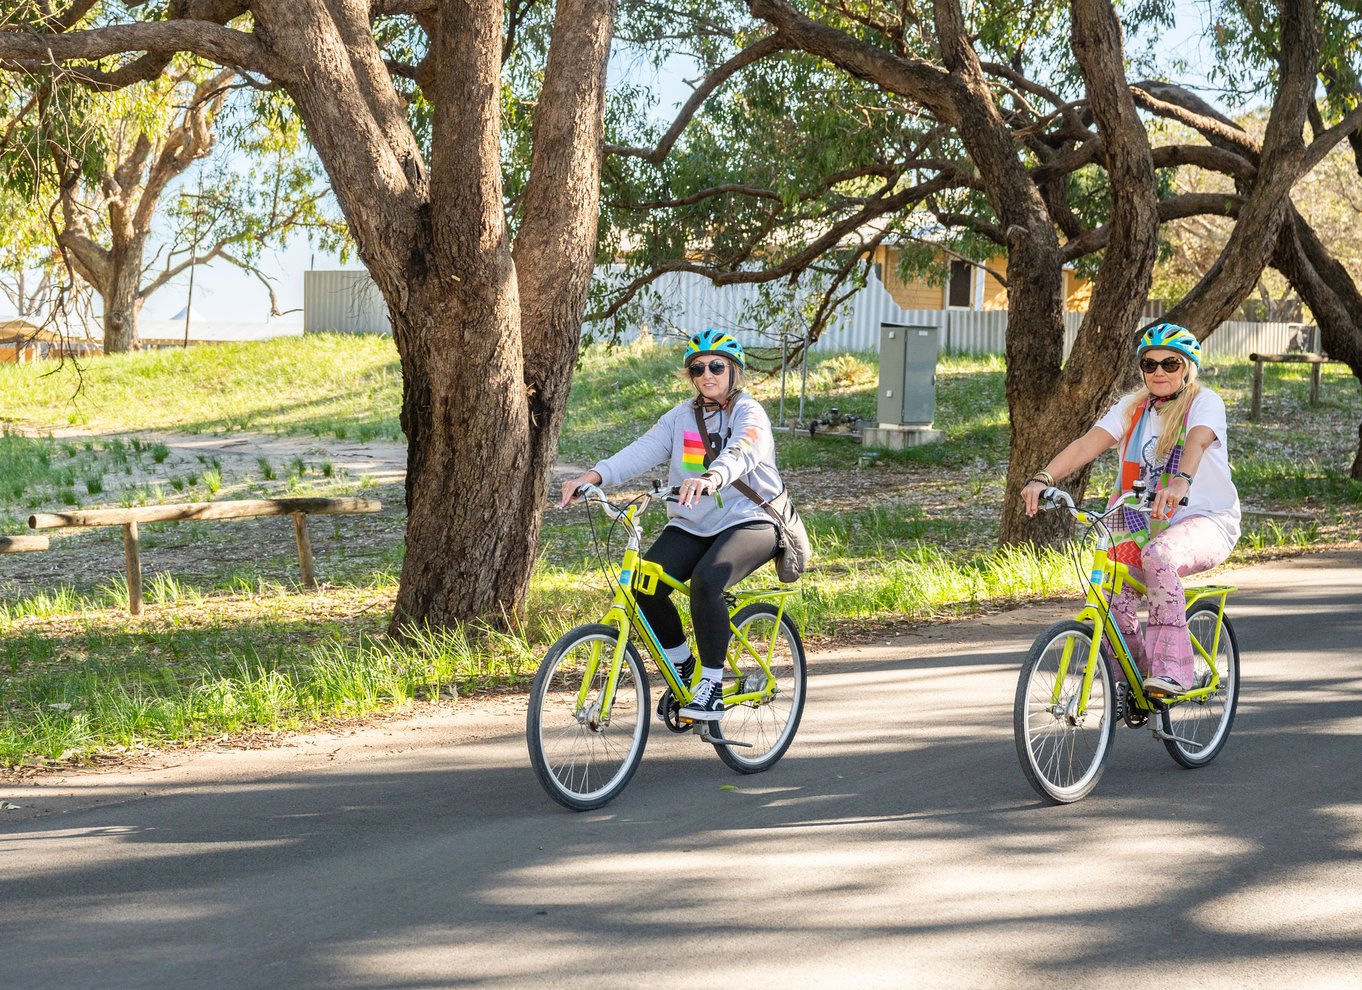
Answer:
(1057, 406)
(469, 548)
(122, 302)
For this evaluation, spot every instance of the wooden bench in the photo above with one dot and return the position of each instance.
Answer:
(298, 508)
(1314, 360)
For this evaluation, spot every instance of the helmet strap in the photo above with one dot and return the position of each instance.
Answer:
(1163, 400)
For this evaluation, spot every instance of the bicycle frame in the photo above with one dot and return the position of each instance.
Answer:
(624, 613)
(1107, 578)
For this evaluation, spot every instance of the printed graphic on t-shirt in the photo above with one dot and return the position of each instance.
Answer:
(692, 452)
(1148, 468)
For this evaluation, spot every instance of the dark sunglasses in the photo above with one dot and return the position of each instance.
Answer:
(716, 367)
(1168, 364)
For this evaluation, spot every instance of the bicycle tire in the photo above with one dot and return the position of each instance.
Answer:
(1205, 723)
(1063, 755)
(583, 763)
(769, 726)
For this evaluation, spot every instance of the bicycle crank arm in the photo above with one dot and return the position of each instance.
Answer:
(704, 734)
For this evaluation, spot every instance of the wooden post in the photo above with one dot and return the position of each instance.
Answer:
(1255, 408)
(304, 550)
(133, 551)
(298, 508)
(22, 544)
(1314, 384)
(192, 511)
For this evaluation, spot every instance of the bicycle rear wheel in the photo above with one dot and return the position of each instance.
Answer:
(1063, 751)
(1201, 726)
(768, 726)
(581, 758)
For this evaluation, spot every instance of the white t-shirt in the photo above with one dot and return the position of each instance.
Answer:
(1212, 493)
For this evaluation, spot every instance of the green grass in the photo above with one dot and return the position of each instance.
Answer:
(232, 644)
(323, 385)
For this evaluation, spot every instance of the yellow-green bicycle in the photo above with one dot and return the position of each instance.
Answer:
(1079, 680)
(590, 707)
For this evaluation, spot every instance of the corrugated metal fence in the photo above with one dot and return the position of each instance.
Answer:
(349, 302)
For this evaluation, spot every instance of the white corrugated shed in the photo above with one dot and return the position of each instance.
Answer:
(348, 301)
(343, 302)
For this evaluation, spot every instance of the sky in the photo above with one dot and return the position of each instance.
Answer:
(222, 292)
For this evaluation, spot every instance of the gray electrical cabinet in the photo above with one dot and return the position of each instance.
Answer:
(907, 374)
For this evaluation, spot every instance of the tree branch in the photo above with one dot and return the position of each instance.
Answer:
(769, 45)
(792, 265)
(29, 51)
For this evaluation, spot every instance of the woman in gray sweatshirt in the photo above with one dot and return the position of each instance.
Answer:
(711, 545)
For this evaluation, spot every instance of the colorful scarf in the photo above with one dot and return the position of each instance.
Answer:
(1131, 530)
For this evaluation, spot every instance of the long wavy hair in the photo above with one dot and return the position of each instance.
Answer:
(1171, 414)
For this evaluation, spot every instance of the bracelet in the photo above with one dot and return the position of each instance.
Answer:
(1184, 476)
(1044, 477)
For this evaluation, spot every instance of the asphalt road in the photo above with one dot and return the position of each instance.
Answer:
(897, 844)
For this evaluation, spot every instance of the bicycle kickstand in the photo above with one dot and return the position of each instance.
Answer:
(714, 740)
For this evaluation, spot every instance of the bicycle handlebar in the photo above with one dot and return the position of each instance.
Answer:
(1141, 500)
(593, 493)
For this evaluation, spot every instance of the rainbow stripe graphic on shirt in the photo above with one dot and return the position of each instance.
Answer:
(692, 453)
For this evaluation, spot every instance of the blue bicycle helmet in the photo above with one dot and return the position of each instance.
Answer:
(1171, 337)
(714, 342)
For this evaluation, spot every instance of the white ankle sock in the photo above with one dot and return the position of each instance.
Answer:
(677, 654)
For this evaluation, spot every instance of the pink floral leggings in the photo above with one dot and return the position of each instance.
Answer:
(1186, 547)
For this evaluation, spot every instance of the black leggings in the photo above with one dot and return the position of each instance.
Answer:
(712, 564)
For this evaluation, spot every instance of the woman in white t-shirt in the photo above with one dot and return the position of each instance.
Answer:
(1171, 434)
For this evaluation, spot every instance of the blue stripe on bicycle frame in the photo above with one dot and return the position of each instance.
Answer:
(658, 652)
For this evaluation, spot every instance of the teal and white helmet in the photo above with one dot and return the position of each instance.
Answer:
(1171, 337)
(714, 342)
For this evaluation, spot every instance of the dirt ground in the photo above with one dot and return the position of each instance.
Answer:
(194, 552)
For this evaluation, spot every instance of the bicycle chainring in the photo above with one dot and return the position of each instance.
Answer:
(1135, 717)
(669, 711)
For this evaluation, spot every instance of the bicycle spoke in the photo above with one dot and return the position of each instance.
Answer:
(582, 760)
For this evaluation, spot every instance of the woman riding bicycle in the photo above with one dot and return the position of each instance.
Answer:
(713, 546)
(1172, 437)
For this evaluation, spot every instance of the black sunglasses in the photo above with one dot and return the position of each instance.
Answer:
(716, 367)
(1168, 364)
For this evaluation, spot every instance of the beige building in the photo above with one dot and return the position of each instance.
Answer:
(22, 342)
(969, 286)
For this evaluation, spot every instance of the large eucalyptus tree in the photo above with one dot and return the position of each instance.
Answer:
(487, 325)
(1015, 132)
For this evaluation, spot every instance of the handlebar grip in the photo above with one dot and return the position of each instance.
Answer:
(674, 493)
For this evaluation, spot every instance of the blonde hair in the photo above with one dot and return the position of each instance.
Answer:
(1171, 414)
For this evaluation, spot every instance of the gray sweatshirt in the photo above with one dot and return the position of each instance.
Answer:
(747, 453)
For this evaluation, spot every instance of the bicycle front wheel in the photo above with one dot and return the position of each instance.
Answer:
(767, 726)
(1197, 729)
(581, 755)
(1062, 749)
